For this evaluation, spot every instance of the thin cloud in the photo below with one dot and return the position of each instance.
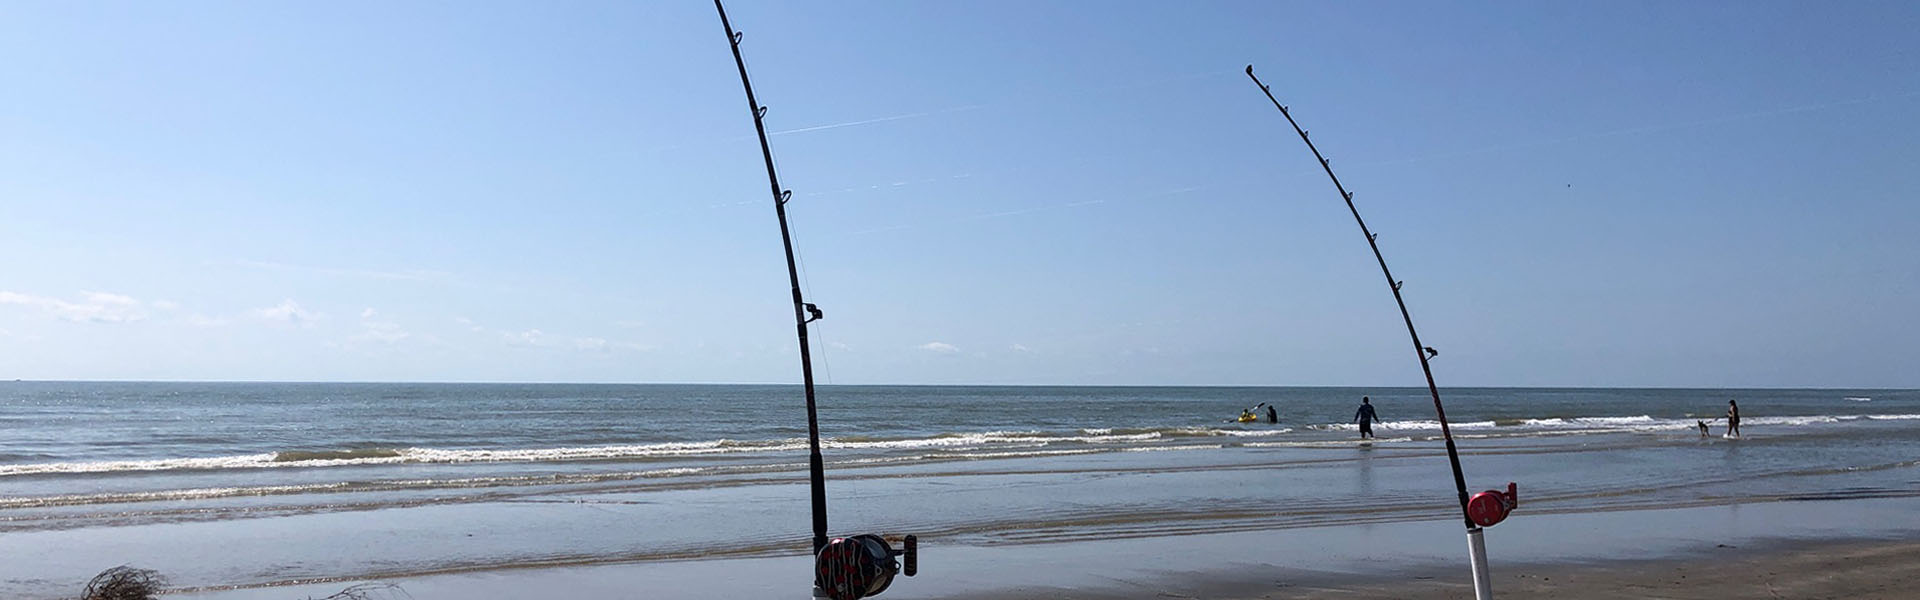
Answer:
(411, 275)
(93, 307)
(288, 312)
(535, 338)
(379, 332)
(939, 348)
(200, 320)
(530, 338)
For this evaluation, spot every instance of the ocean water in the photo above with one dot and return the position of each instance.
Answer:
(242, 484)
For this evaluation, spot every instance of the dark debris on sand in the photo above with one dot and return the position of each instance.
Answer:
(124, 583)
(128, 583)
(370, 591)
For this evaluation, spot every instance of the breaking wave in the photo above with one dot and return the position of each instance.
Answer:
(955, 445)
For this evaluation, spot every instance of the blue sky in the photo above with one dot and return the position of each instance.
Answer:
(1617, 194)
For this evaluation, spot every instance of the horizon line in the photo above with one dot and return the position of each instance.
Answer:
(1066, 385)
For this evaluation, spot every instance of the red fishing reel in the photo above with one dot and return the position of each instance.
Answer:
(1490, 507)
(856, 567)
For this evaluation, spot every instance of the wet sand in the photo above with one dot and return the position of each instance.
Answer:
(1858, 570)
(1853, 570)
(1826, 549)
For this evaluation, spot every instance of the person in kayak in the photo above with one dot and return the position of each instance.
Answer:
(1365, 417)
(1272, 415)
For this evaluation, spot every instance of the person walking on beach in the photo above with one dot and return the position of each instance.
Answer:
(1272, 415)
(1365, 417)
(1733, 419)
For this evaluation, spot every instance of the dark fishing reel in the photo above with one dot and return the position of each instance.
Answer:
(856, 567)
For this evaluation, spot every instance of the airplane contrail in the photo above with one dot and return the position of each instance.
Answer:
(878, 120)
(1032, 209)
(968, 107)
(955, 109)
(1650, 128)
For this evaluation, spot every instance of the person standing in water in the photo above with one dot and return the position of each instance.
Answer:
(1365, 417)
(1272, 415)
(1733, 419)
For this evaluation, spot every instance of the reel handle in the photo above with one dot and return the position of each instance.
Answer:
(910, 555)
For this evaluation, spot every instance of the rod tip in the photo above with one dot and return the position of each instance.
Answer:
(1249, 69)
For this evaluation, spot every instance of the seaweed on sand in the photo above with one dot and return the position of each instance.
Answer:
(124, 583)
(370, 591)
(128, 583)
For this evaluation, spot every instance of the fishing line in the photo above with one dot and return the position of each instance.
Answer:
(803, 312)
(1423, 352)
(1486, 508)
(806, 284)
(846, 568)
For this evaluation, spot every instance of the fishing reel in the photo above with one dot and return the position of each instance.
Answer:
(852, 568)
(1490, 507)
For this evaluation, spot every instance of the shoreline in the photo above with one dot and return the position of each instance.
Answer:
(1696, 552)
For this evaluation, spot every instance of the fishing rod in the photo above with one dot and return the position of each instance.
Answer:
(1485, 508)
(844, 568)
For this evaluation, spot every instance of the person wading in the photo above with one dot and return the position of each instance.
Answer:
(1733, 419)
(1365, 417)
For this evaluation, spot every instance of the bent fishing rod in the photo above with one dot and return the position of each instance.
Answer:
(1483, 509)
(803, 311)
(845, 568)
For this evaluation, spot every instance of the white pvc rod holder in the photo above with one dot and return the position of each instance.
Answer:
(1477, 550)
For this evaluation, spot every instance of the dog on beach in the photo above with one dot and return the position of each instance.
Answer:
(1703, 427)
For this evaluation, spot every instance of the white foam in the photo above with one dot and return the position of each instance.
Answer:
(188, 494)
(1636, 423)
(1794, 421)
(1405, 425)
(409, 455)
(979, 442)
(1327, 443)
